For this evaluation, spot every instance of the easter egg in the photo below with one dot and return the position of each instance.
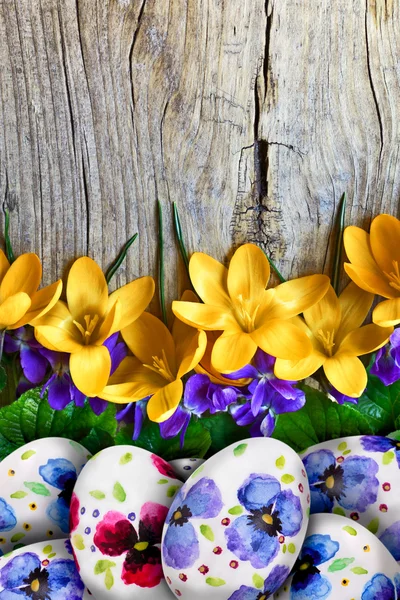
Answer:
(184, 467)
(358, 477)
(36, 487)
(118, 510)
(41, 571)
(237, 522)
(341, 559)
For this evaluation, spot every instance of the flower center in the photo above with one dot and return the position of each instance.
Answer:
(267, 520)
(304, 566)
(180, 516)
(161, 367)
(87, 329)
(327, 337)
(394, 276)
(35, 585)
(141, 546)
(330, 482)
(246, 313)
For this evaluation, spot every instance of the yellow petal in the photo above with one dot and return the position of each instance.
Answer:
(294, 371)
(205, 316)
(142, 381)
(109, 326)
(295, 296)
(164, 403)
(13, 309)
(90, 369)
(283, 340)
(325, 314)
(87, 292)
(134, 298)
(205, 367)
(364, 340)
(347, 374)
(23, 276)
(372, 282)
(190, 351)
(355, 304)
(387, 313)
(385, 239)
(148, 337)
(56, 316)
(232, 352)
(209, 278)
(58, 339)
(358, 249)
(42, 302)
(248, 273)
(4, 265)
(180, 329)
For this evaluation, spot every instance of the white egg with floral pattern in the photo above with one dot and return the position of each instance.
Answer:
(238, 522)
(42, 571)
(118, 510)
(358, 477)
(341, 559)
(35, 493)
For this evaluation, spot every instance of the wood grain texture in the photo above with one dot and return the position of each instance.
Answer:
(253, 116)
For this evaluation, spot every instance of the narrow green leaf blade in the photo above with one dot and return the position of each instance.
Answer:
(113, 268)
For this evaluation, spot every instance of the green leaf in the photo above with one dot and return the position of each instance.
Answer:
(349, 530)
(215, 581)
(119, 492)
(171, 491)
(97, 494)
(291, 548)
(113, 268)
(207, 532)
(319, 420)
(359, 571)
(19, 495)
(239, 450)
(78, 542)
(161, 276)
(126, 458)
(9, 251)
(258, 581)
(395, 435)
(16, 537)
(103, 565)
(235, 510)
(109, 579)
(162, 481)
(28, 454)
(387, 457)
(3, 378)
(380, 404)
(373, 525)
(337, 258)
(179, 237)
(287, 478)
(338, 510)
(339, 564)
(280, 462)
(37, 488)
(223, 431)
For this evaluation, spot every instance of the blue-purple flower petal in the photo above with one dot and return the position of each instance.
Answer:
(252, 545)
(8, 520)
(13, 574)
(258, 490)
(180, 546)
(379, 588)
(290, 512)
(391, 539)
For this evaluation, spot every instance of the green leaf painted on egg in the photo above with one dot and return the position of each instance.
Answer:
(109, 579)
(350, 530)
(197, 472)
(215, 581)
(161, 481)
(28, 454)
(207, 532)
(287, 478)
(126, 458)
(359, 571)
(47, 549)
(119, 492)
(258, 581)
(52, 555)
(97, 494)
(16, 537)
(346, 452)
(103, 565)
(37, 488)
(239, 450)
(235, 510)
(339, 564)
(373, 525)
(78, 542)
(280, 462)
(338, 510)
(388, 457)
(171, 491)
(342, 446)
(19, 495)
(291, 548)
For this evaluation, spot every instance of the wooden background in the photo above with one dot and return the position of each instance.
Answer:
(253, 116)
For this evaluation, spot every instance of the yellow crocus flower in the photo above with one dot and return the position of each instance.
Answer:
(375, 263)
(237, 303)
(20, 300)
(333, 326)
(82, 324)
(161, 360)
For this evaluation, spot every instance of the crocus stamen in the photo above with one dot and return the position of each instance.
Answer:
(87, 330)
(394, 276)
(161, 367)
(327, 340)
(246, 313)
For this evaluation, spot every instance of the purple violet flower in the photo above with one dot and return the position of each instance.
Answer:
(341, 398)
(134, 412)
(33, 363)
(387, 361)
(270, 396)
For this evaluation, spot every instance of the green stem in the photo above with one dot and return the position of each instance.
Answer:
(120, 258)
(179, 237)
(2, 336)
(337, 261)
(161, 278)
(275, 268)
(9, 250)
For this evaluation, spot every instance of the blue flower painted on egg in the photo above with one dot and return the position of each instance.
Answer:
(272, 583)
(352, 484)
(376, 443)
(271, 513)
(61, 474)
(180, 544)
(381, 587)
(307, 580)
(25, 577)
(8, 519)
(391, 539)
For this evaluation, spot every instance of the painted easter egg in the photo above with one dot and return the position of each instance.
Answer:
(184, 467)
(358, 477)
(118, 510)
(36, 487)
(239, 520)
(41, 571)
(341, 559)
